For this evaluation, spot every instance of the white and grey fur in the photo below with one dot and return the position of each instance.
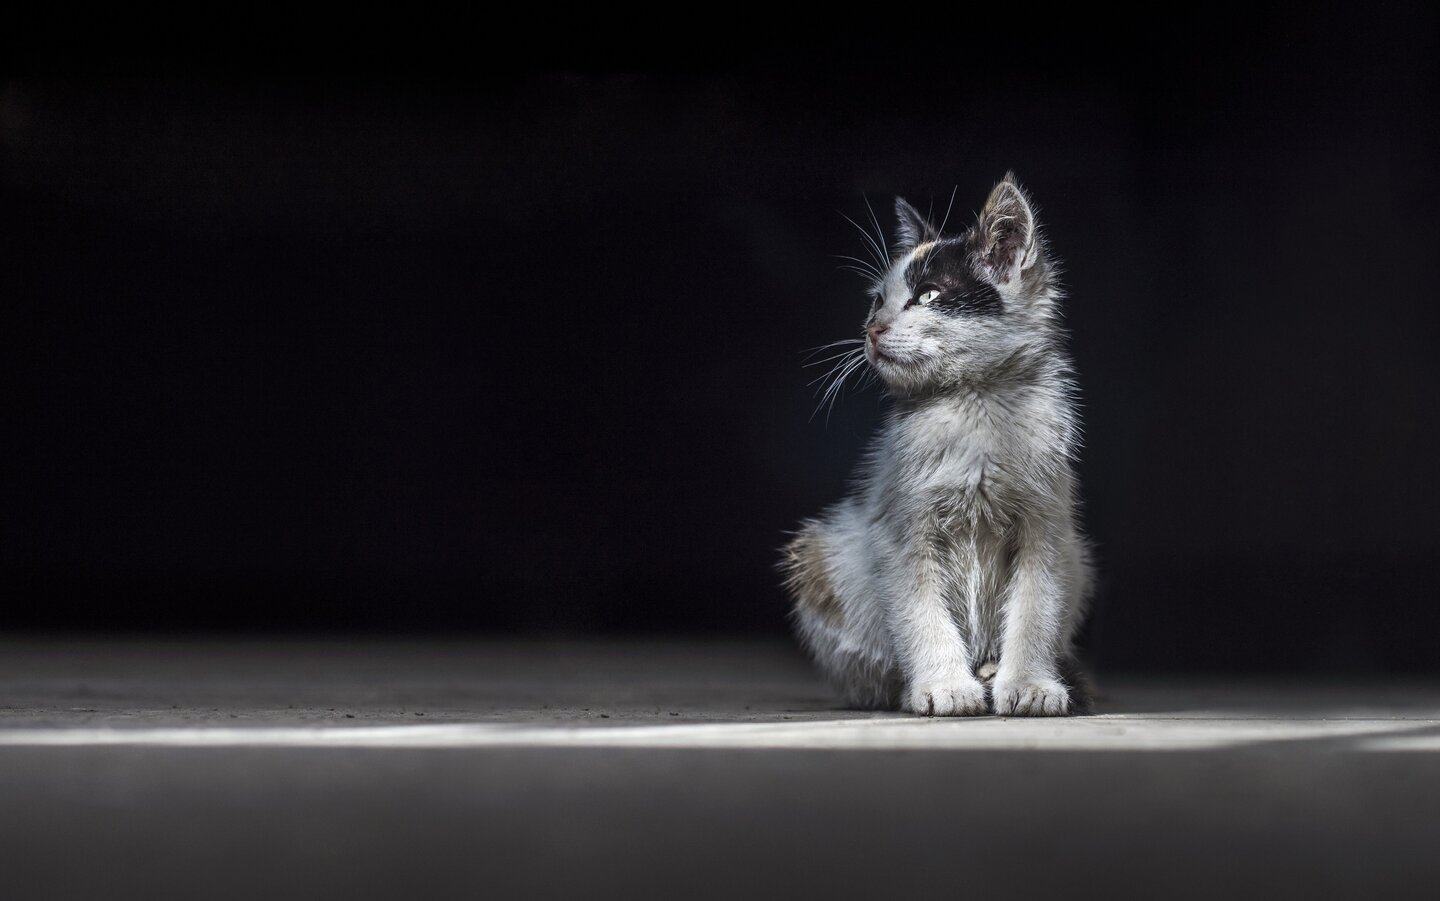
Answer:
(951, 580)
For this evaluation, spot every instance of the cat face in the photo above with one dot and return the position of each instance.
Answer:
(952, 309)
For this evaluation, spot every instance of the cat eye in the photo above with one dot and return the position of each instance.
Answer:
(924, 297)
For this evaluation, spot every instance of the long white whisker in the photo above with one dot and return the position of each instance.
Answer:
(812, 350)
(833, 391)
(825, 401)
(832, 370)
(940, 234)
(868, 276)
(844, 362)
(828, 359)
(948, 207)
(820, 350)
(880, 256)
(838, 388)
(868, 266)
(880, 232)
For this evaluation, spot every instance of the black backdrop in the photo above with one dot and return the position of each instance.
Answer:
(504, 334)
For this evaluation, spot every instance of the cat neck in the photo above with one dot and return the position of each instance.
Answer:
(1024, 371)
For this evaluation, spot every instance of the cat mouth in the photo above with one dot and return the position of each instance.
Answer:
(880, 356)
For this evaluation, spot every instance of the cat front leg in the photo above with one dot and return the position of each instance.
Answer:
(1035, 617)
(939, 677)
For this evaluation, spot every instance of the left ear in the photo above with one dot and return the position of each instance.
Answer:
(911, 228)
(1007, 240)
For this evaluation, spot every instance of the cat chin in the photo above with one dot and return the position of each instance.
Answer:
(900, 376)
(879, 357)
(887, 361)
(893, 371)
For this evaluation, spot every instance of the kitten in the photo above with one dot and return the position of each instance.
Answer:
(956, 565)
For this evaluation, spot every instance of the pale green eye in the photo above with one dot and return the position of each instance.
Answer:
(927, 297)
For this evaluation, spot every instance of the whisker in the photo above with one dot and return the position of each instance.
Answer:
(948, 207)
(813, 350)
(828, 359)
(838, 387)
(860, 272)
(845, 361)
(880, 232)
(846, 368)
(869, 267)
(880, 256)
(940, 234)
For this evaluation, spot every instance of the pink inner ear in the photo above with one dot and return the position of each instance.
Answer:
(1006, 228)
(1004, 244)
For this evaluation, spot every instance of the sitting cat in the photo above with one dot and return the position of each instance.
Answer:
(952, 578)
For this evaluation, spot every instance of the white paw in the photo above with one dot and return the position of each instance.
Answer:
(1030, 697)
(953, 697)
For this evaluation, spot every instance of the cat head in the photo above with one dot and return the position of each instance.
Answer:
(962, 307)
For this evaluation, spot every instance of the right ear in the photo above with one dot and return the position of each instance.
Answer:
(1008, 244)
(912, 229)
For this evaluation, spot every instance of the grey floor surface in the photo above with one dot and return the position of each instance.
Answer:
(414, 769)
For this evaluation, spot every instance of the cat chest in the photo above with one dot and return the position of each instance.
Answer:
(973, 460)
(971, 477)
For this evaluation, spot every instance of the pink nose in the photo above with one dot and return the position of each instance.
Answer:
(876, 330)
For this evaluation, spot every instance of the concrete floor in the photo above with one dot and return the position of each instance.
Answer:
(689, 770)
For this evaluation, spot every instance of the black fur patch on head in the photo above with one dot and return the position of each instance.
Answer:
(947, 268)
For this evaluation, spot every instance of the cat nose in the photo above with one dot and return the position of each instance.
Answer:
(876, 330)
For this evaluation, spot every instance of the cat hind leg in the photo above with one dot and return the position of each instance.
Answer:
(841, 633)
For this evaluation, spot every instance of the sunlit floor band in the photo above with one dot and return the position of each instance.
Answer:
(1087, 734)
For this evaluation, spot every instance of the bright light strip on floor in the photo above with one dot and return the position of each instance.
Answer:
(1084, 734)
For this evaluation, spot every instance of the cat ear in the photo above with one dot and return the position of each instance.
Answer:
(1007, 242)
(912, 229)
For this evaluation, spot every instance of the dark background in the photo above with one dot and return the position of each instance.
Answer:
(432, 329)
